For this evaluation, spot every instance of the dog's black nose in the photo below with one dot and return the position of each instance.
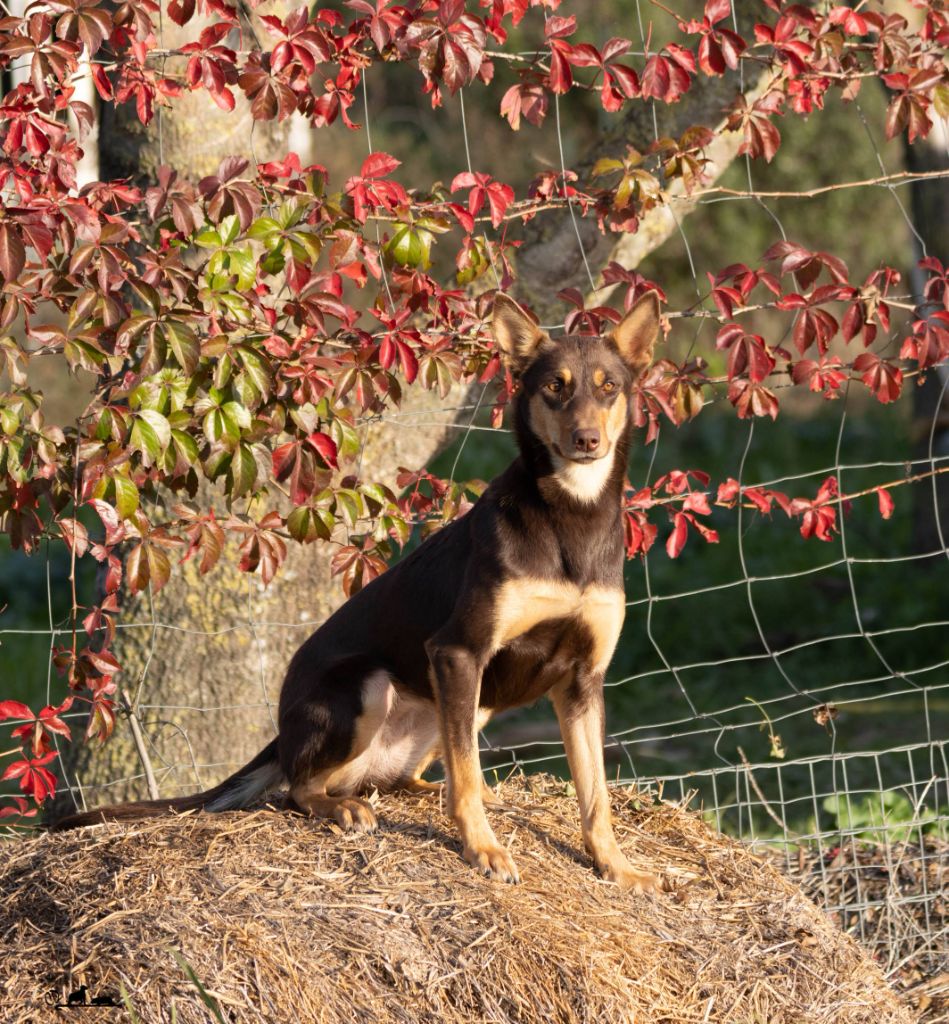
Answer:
(586, 440)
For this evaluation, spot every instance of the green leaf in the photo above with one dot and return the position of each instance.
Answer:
(220, 428)
(104, 425)
(176, 386)
(217, 265)
(126, 496)
(243, 471)
(154, 429)
(9, 420)
(217, 463)
(230, 228)
(274, 261)
(346, 437)
(222, 371)
(375, 495)
(209, 1001)
(244, 391)
(15, 466)
(236, 306)
(262, 228)
(184, 343)
(351, 504)
(208, 239)
(185, 447)
(941, 99)
(127, 999)
(290, 213)
(238, 413)
(306, 524)
(243, 264)
(606, 165)
(397, 526)
(405, 247)
(305, 247)
(257, 368)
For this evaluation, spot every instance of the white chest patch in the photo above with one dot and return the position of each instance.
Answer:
(583, 481)
(524, 603)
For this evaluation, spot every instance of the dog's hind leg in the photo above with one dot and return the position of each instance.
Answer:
(416, 784)
(350, 813)
(423, 787)
(326, 740)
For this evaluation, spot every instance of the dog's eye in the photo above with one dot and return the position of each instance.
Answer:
(554, 386)
(609, 386)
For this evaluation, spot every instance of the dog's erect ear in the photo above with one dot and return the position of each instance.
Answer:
(635, 335)
(515, 332)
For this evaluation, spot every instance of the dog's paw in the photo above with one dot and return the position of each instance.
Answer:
(493, 862)
(623, 874)
(354, 815)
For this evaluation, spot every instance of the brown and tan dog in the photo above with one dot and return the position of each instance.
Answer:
(521, 597)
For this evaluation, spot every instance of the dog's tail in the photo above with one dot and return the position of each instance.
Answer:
(254, 779)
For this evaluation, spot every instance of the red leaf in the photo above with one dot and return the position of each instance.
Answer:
(101, 81)
(377, 165)
(886, 502)
(556, 27)
(102, 661)
(499, 198)
(715, 10)
(728, 492)
(679, 535)
(14, 709)
(527, 100)
(560, 78)
(181, 11)
(326, 446)
(751, 398)
(882, 378)
(12, 251)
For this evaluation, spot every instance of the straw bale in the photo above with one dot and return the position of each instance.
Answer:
(283, 919)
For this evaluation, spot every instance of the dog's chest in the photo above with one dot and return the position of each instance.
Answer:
(523, 604)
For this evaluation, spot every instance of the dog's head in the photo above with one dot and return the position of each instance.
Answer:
(576, 390)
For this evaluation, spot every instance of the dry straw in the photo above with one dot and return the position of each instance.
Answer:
(285, 919)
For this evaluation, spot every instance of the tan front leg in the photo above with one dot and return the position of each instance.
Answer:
(580, 711)
(457, 682)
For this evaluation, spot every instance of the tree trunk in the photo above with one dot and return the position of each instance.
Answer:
(203, 661)
(551, 258)
(930, 200)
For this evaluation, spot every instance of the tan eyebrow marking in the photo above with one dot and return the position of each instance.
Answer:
(566, 375)
(599, 376)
